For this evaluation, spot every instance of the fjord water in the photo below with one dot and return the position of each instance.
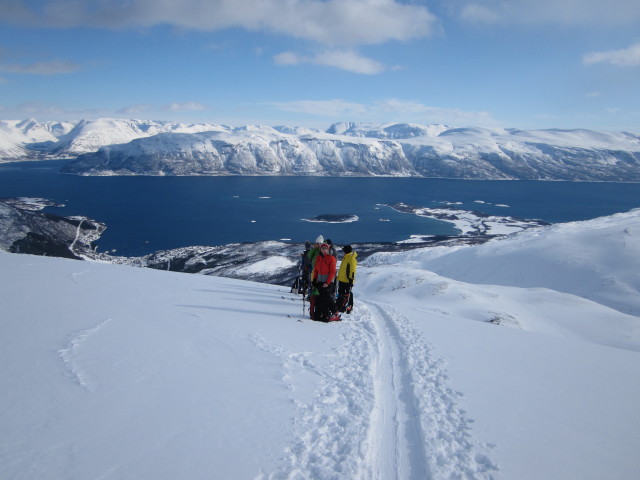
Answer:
(145, 214)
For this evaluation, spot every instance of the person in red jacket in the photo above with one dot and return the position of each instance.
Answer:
(324, 272)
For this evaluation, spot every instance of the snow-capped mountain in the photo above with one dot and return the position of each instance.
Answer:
(389, 131)
(90, 135)
(137, 147)
(29, 140)
(398, 150)
(118, 372)
(24, 139)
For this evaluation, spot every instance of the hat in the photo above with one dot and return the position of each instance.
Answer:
(328, 240)
(324, 245)
(347, 249)
(320, 239)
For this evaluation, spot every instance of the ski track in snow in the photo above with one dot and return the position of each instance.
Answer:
(383, 410)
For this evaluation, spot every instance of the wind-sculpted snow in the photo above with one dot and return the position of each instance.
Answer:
(72, 356)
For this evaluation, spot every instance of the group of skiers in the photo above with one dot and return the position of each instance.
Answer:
(318, 279)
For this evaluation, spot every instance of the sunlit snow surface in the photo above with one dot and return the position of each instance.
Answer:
(516, 359)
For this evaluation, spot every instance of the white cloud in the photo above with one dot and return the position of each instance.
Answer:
(595, 13)
(289, 58)
(627, 57)
(185, 106)
(350, 61)
(54, 67)
(331, 108)
(137, 109)
(144, 108)
(343, 59)
(389, 110)
(48, 111)
(51, 111)
(332, 22)
(416, 111)
(479, 14)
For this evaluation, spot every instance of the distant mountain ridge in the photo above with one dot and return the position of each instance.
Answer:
(138, 147)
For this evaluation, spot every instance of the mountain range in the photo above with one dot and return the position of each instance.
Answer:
(136, 147)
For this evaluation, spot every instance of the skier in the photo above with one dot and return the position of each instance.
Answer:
(334, 252)
(311, 259)
(346, 278)
(301, 282)
(323, 274)
(313, 253)
(305, 268)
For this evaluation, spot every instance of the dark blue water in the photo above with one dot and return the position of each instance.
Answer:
(144, 214)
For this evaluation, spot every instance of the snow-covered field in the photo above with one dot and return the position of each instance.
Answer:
(516, 359)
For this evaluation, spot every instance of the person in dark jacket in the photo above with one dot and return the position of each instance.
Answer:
(305, 269)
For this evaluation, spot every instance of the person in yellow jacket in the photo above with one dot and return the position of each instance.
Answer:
(346, 278)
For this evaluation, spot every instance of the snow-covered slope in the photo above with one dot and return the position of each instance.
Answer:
(596, 259)
(120, 372)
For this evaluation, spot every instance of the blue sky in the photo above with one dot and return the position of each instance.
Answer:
(517, 63)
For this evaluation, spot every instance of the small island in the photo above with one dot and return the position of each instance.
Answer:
(333, 218)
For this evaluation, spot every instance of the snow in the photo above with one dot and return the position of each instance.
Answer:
(15, 134)
(600, 263)
(516, 359)
(270, 264)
